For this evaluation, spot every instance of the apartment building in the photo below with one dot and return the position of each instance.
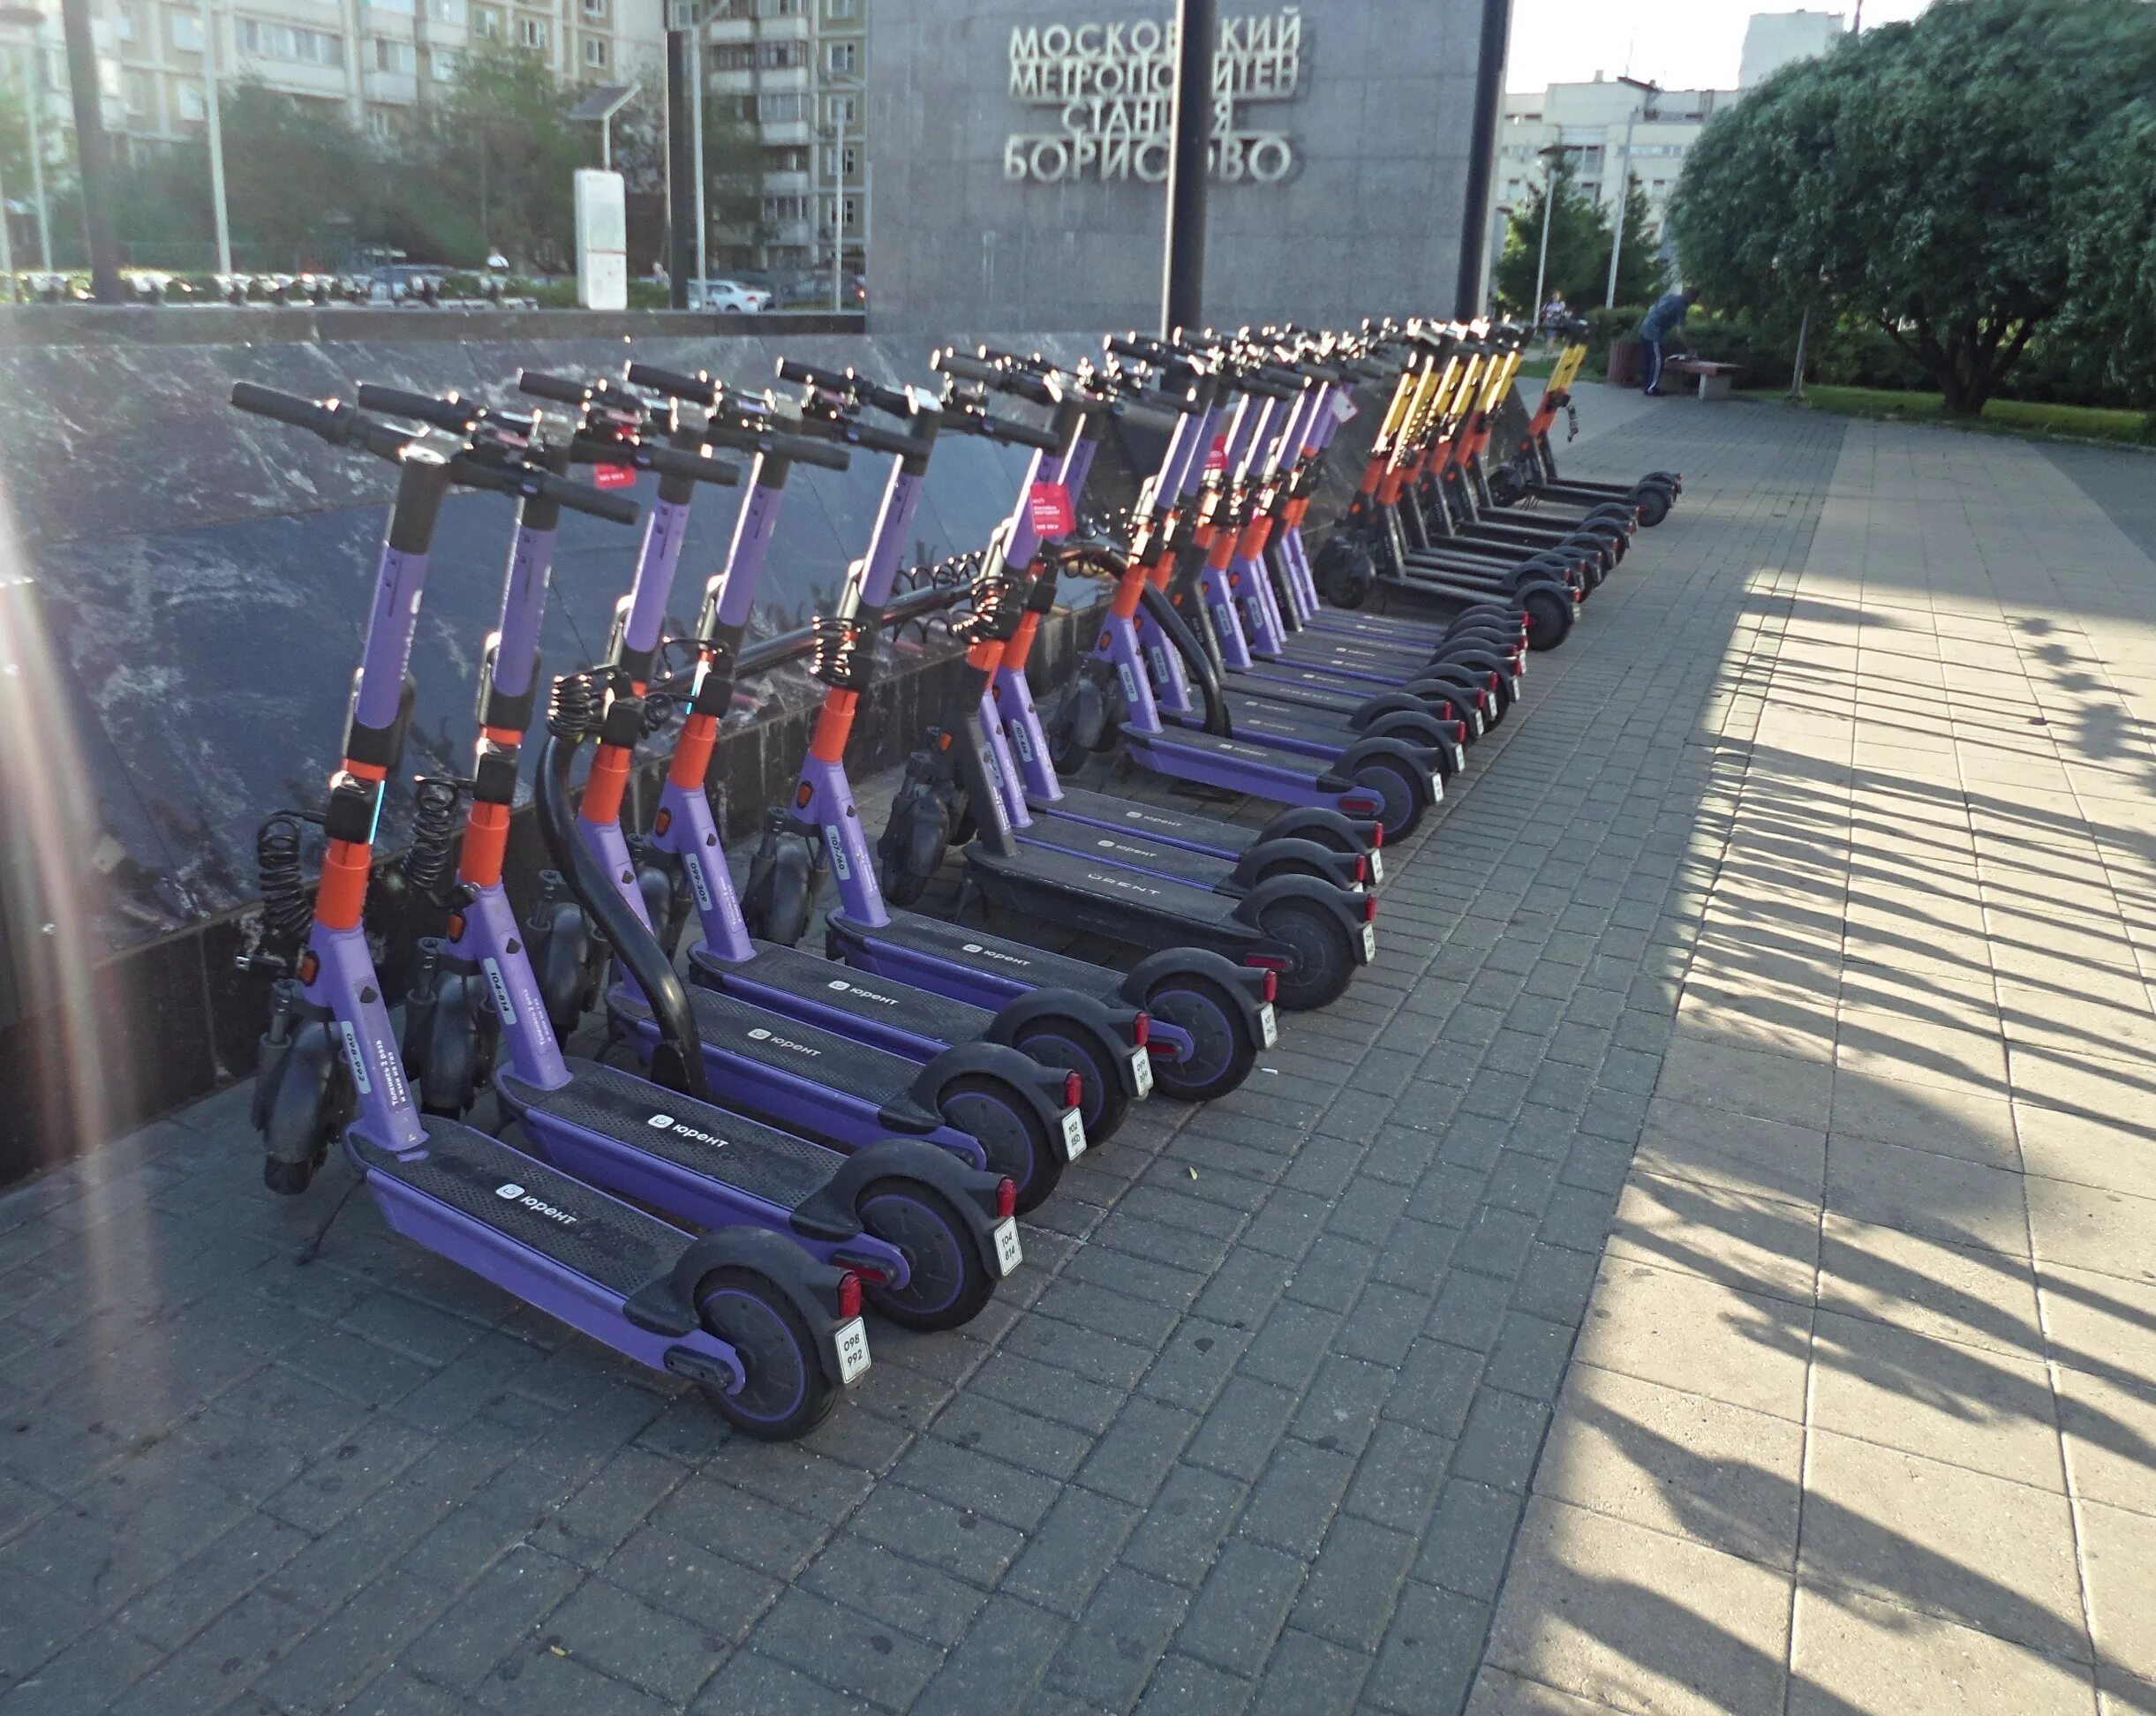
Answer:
(373, 59)
(793, 71)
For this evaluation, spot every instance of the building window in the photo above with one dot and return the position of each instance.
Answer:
(138, 93)
(446, 11)
(378, 124)
(849, 213)
(840, 109)
(787, 158)
(784, 55)
(781, 210)
(187, 34)
(125, 27)
(595, 52)
(395, 56)
(838, 8)
(531, 33)
(187, 100)
(487, 23)
(778, 109)
(443, 61)
(282, 42)
(844, 57)
(850, 162)
(594, 8)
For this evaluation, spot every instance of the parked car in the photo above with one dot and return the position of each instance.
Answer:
(729, 295)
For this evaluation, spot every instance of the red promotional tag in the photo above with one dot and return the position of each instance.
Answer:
(1217, 459)
(609, 476)
(1049, 508)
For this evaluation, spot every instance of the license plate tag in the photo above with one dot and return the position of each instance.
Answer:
(852, 1341)
(1074, 1134)
(1008, 1256)
(1377, 867)
(1369, 943)
(1474, 718)
(1436, 786)
(1516, 685)
(1269, 1025)
(1459, 758)
(1142, 1071)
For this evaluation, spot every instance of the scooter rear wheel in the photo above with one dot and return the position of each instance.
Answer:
(784, 1393)
(1101, 1098)
(1223, 1051)
(1018, 1146)
(950, 1284)
(1324, 963)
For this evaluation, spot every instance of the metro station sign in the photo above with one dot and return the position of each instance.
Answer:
(1112, 90)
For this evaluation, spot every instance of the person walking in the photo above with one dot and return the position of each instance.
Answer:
(1657, 327)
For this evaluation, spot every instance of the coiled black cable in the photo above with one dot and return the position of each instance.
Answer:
(575, 704)
(434, 829)
(287, 914)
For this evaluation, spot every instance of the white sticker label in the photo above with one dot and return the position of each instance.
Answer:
(1020, 742)
(1130, 680)
(852, 1342)
(1074, 1134)
(502, 992)
(355, 1059)
(1142, 1071)
(1369, 943)
(697, 884)
(836, 847)
(1008, 1256)
(1268, 1024)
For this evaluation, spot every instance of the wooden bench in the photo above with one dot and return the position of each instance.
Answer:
(1715, 379)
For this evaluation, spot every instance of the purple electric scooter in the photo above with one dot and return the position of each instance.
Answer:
(768, 1332)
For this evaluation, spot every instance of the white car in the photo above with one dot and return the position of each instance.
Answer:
(729, 295)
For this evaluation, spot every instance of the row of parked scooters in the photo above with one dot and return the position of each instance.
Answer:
(774, 1141)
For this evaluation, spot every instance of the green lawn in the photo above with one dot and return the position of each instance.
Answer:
(2012, 416)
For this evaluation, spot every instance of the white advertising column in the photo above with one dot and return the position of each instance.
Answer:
(602, 241)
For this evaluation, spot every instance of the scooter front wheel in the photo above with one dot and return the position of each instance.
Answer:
(784, 1393)
(950, 1284)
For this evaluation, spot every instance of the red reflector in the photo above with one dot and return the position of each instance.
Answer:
(1272, 986)
(1140, 1030)
(1362, 870)
(1073, 1091)
(1369, 909)
(1007, 1198)
(1267, 963)
(311, 967)
(1377, 835)
(850, 1296)
(1360, 804)
(802, 793)
(456, 925)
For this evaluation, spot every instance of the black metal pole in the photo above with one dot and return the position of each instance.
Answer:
(92, 155)
(1474, 218)
(1182, 293)
(681, 174)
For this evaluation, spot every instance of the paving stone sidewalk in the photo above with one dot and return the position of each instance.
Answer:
(1258, 1425)
(1864, 1414)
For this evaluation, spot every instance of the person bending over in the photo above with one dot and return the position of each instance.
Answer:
(1661, 323)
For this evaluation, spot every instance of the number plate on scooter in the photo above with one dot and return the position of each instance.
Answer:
(1142, 1071)
(1008, 1256)
(1269, 1025)
(1459, 758)
(1377, 867)
(1516, 682)
(1074, 1134)
(1436, 785)
(852, 1342)
(1369, 943)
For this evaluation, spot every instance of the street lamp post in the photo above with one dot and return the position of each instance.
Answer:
(1617, 234)
(1550, 154)
(214, 123)
(94, 161)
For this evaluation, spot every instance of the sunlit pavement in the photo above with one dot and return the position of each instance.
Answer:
(1706, 1264)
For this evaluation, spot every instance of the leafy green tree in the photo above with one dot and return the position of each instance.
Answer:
(1923, 179)
(2113, 307)
(1578, 245)
(505, 131)
(1640, 267)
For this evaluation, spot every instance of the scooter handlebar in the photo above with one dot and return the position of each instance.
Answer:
(562, 389)
(666, 461)
(449, 411)
(575, 497)
(849, 382)
(697, 389)
(334, 422)
(1149, 415)
(990, 427)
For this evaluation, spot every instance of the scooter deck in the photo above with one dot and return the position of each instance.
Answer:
(1256, 716)
(696, 1137)
(1152, 911)
(611, 1245)
(1012, 965)
(1228, 839)
(781, 1068)
(1187, 754)
(795, 982)
(1128, 851)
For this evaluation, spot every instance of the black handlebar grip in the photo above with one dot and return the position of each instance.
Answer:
(1021, 434)
(875, 440)
(307, 414)
(950, 361)
(802, 450)
(615, 508)
(452, 413)
(697, 389)
(678, 461)
(559, 388)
